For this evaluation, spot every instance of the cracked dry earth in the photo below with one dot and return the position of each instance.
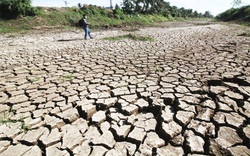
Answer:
(185, 93)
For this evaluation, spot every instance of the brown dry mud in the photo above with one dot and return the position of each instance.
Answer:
(185, 93)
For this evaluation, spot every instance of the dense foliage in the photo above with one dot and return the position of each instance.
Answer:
(160, 7)
(13, 8)
(125, 16)
(236, 14)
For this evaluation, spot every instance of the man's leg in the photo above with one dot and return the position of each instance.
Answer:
(90, 34)
(86, 33)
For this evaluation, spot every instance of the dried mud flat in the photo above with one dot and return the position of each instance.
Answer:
(186, 93)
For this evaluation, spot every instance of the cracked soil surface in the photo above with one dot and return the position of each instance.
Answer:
(185, 93)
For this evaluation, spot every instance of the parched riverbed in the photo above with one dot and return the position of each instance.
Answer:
(185, 93)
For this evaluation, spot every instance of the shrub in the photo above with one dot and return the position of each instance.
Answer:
(170, 17)
(118, 13)
(13, 8)
(93, 10)
(104, 12)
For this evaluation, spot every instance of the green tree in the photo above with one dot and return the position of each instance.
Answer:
(161, 6)
(157, 7)
(128, 6)
(174, 11)
(14, 8)
(235, 14)
(137, 7)
(207, 14)
(196, 14)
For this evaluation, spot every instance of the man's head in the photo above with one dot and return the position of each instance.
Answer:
(84, 16)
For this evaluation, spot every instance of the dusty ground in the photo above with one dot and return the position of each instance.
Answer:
(186, 93)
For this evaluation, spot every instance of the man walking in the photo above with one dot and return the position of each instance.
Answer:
(86, 27)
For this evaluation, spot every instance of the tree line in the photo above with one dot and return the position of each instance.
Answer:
(160, 7)
(241, 14)
(10, 9)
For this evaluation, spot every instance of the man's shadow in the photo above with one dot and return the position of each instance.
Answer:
(68, 40)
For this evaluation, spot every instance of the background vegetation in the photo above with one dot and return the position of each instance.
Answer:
(19, 15)
(160, 7)
(13, 8)
(236, 14)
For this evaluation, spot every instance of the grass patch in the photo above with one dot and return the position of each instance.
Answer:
(6, 119)
(158, 69)
(67, 18)
(36, 79)
(7, 30)
(67, 77)
(203, 24)
(131, 37)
